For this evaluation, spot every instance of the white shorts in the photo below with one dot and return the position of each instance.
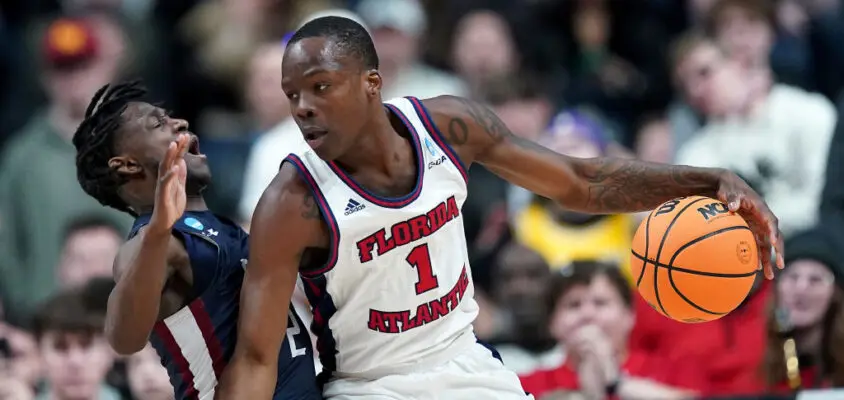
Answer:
(473, 375)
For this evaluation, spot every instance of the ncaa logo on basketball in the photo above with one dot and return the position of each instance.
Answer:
(712, 210)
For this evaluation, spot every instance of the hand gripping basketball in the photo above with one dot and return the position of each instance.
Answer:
(170, 197)
(741, 199)
(693, 259)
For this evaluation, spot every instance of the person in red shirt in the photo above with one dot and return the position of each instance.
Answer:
(805, 346)
(592, 318)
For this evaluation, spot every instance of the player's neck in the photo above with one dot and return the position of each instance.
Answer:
(195, 203)
(375, 148)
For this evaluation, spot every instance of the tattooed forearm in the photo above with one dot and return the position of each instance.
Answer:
(624, 185)
(310, 209)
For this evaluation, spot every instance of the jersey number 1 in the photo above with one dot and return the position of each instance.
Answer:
(420, 259)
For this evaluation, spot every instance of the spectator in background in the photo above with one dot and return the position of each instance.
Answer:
(484, 49)
(90, 245)
(74, 350)
(776, 137)
(148, 380)
(744, 29)
(806, 325)
(563, 236)
(519, 279)
(690, 56)
(655, 141)
(38, 192)
(397, 27)
(20, 364)
(591, 316)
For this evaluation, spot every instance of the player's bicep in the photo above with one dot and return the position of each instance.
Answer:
(177, 255)
(479, 135)
(284, 224)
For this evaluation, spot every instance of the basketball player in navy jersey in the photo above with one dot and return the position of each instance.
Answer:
(179, 274)
(380, 193)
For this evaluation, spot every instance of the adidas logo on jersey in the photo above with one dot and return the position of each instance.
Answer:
(353, 207)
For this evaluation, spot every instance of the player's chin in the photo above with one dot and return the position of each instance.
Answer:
(199, 176)
(326, 152)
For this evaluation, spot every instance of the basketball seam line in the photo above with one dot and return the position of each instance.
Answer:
(647, 244)
(659, 251)
(691, 271)
(686, 246)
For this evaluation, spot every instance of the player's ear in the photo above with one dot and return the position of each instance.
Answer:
(125, 165)
(373, 82)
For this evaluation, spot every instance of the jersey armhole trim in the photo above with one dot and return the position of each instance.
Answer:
(437, 135)
(183, 237)
(328, 216)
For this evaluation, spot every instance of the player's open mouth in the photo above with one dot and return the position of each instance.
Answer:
(314, 136)
(193, 147)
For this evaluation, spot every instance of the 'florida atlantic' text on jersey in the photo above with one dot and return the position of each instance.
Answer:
(197, 341)
(396, 293)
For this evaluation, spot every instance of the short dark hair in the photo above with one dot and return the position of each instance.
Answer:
(90, 221)
(95, 143)
(350, 36)
(67, 312)
(757, 9)
(583, 273)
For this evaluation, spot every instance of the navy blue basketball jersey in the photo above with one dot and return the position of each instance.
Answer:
(196, 342)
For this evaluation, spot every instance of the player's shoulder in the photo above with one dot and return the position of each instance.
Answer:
(449, 106)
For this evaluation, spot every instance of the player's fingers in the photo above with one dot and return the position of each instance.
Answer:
(171, 174)
(765, 258)
(779, 248)
(183, 143)
(167, 161)
(733, 200)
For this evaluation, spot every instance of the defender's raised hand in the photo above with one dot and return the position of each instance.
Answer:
(170, 197)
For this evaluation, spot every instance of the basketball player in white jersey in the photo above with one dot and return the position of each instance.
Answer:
(370, 216)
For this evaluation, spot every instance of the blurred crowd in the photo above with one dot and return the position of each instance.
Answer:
(754, 86)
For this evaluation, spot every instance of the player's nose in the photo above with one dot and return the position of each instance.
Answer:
(180, 125)
(304, 109)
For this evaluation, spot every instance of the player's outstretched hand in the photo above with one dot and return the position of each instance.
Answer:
(741, 199)
(170, 197)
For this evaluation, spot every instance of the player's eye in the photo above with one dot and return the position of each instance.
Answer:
(320, 87)
(291, 96)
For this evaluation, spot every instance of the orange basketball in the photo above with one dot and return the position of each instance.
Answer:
(693, 260)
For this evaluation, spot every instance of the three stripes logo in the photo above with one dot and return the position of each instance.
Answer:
(353, 206)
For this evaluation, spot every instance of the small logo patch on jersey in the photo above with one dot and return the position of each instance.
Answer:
(194, 223)
(353, 207)
(430, 146)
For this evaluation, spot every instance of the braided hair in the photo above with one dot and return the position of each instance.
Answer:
(94, 142)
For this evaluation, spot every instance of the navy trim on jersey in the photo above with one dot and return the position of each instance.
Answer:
(322, 203)
(391, 202)
(322, 305)
(437, 135)
(495, 354)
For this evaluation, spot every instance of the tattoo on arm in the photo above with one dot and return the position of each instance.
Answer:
(458, 131)
(310, 209)
(625, 185)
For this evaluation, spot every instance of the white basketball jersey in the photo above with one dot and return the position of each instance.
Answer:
(397, 292)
